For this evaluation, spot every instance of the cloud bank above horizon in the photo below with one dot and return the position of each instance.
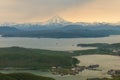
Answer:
(71, 10)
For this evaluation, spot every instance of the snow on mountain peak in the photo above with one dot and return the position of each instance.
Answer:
(56, 20)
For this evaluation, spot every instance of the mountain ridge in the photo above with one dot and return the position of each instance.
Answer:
(60, 28)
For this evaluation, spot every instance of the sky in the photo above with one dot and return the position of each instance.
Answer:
(26, 11)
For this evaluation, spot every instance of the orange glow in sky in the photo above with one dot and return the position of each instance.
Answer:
(22, 11)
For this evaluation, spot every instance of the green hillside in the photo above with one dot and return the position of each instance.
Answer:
(22, 76)
(17, 57)
(101, 48)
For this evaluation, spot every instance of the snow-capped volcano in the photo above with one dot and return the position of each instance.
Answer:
(56, 20)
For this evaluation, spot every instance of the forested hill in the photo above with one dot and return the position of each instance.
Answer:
(100, 48)
(16, 57)
(67, 31)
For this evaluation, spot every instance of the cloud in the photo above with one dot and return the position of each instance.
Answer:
(34, 9)
(73, 10)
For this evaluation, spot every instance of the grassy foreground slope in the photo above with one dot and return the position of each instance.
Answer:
(114, 78)
(17, 57)
(22, 76)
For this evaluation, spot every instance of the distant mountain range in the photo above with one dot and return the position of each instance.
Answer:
(57, 27)
(52, 23)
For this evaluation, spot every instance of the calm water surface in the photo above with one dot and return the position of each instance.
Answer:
(55, 44)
